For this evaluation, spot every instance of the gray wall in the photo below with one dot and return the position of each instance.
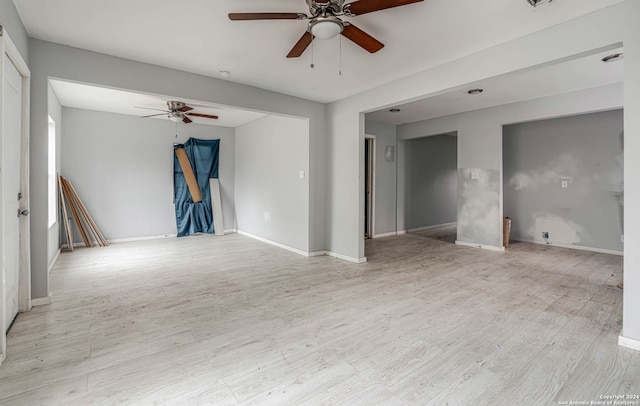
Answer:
(427, 181)
(272, 201)
(53, 233)
(11, 21)
(480, 152)
(584, 150)
(63, 62)
(385, 177)
(122, 168)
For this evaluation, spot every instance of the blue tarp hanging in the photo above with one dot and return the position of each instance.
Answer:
(193, 217)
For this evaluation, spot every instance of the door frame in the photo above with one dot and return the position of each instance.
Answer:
(24, 273)
(370, 167)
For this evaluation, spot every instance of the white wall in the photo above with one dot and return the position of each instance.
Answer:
(272, 201)
(122, 168)
(55, 111)
(385, 177)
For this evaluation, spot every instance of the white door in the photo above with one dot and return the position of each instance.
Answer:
(12, 93)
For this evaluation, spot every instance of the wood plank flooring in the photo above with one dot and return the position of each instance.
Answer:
(207, 320)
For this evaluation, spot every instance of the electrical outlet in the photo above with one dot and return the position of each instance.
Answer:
(565, 183)
(545, 235)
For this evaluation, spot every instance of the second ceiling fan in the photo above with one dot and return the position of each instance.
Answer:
(325, 22)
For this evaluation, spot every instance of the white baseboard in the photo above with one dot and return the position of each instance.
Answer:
(481, 246)
(230, 231)
(317, 254)
(400, 232)
(42, 301)
(149, 237)
(629, 343)
(54, 260)
(573, 247)
(277, 244)
(385, 234)
(431, 228)
(346, 257)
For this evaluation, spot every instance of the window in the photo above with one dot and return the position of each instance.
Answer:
(53, 196)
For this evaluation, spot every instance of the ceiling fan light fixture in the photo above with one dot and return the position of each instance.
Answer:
(175, 117)
(534, 3)
(326, 27)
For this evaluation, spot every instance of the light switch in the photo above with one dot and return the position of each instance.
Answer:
(565, 183)
(475, 175)
(301, 174)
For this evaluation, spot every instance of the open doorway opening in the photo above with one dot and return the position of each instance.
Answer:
(559, 172)
(369, 185)
(428, 186)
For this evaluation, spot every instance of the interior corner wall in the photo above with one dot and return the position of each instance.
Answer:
(10, 20)
(385, 176)
(122, 168)
(53, 233)
(346, 124)
(427, 182)
(272, 199)
(585, 151)
(480, 152)
(49, 60)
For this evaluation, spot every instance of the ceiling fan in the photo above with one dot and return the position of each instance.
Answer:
(325, 22)
(178, 111)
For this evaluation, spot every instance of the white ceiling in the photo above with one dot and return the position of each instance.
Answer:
(577, 74)
(196, 36)
(88, 97)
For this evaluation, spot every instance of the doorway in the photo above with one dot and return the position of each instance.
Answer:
(369, 185)
(15, 293)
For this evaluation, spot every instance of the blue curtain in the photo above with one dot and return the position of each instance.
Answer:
(193, 217)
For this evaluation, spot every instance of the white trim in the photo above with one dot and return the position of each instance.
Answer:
(372, 214)
(7, 47)
(481, 246)
(42, 301)
(400, 232)
(347, 258)
(277, 244)
(231, 230)
(629, 343)
(573, 247)
(317, 254)
(431, 228)
(131, 239)
(54, 260)
(385, 234)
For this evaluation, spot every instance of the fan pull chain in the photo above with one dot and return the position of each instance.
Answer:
(340, 58)
(176, 130)
(312, 65)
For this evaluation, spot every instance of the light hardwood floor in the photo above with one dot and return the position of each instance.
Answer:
(232, 321)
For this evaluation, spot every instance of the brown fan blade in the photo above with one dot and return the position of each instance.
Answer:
(266, 16)
(154, 115)
(361, 38)
(184, 109)
(369, 6)
(203, 115)
(186, 120)
(300, 46)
